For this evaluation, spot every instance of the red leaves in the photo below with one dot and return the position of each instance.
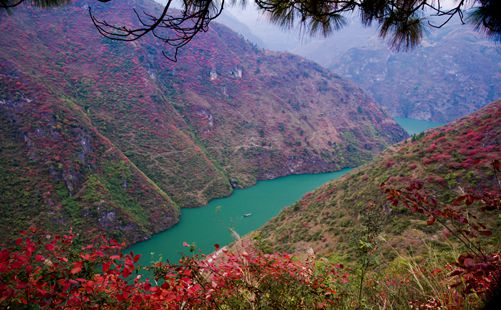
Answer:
(77, 267)
(475, 272)
(106, 266)
(127, 272)
(39, 258)
(486, 233)
(466, 199)
(86, 256)
(496, 165)
(50, 247)
(128, 267)
(461, 210)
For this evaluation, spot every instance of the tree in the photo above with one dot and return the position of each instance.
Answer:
(401, 21)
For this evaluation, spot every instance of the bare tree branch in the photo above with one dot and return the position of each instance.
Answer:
(402, 21)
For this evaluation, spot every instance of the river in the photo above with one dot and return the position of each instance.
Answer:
(415, 126)
(242, 212)
(212, 224)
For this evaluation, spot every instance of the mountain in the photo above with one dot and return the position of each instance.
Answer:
(226, 18)
(454, 159)
(109, 136)
(455, 70)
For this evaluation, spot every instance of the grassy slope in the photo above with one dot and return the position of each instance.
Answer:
(448, 159)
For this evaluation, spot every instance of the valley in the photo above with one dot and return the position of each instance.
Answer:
(225, 216)
(220, 221)
(455, 70)
(316, 173)
(224, 116)
(448, 161)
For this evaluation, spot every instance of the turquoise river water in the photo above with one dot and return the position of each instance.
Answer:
(242, 212)
(415, 126)
(213, 223)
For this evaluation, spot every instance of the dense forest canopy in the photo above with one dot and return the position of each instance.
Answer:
(402, 22)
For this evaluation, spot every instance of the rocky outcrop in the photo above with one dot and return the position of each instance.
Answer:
(58, 172)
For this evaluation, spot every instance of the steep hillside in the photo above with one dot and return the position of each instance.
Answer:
(449, 160)
(224, 116)
(225, 111)
(57, 171)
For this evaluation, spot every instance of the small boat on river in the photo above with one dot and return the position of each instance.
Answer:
(247, 214)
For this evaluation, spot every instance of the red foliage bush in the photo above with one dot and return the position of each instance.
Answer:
(475, 272)
(53, 273)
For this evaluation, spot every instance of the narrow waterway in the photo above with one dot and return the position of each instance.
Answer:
(415, 126)
(244, 211)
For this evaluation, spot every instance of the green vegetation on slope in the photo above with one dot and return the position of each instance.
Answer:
(57, 171)
(225, 110)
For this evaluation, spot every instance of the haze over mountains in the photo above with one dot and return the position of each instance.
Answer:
(111, 138)
(408, 84)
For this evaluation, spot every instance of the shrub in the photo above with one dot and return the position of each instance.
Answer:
(55, 273)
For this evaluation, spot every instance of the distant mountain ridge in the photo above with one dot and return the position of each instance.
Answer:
(117, 137)
(455, 71)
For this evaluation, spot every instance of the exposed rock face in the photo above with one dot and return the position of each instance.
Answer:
(116, 129)
(57, 171)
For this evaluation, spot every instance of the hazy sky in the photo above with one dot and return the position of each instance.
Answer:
(255, 26)
(251, 16)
